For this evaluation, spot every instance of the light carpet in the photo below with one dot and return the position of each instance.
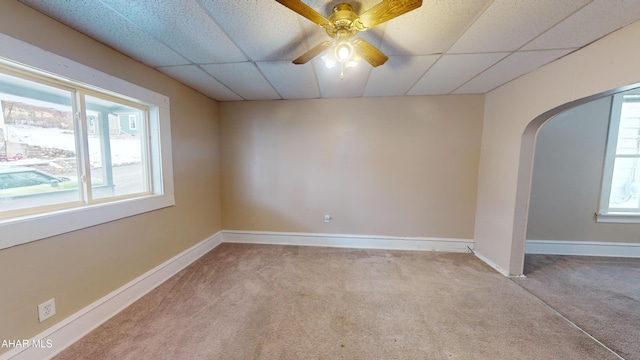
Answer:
(243, 301)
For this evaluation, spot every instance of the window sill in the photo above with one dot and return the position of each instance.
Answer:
(618, 218)
(18, 231)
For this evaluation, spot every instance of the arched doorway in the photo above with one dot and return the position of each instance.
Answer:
(525, 173)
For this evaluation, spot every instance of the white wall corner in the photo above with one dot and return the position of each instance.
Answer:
(71, 329)
(583, 248)
(494, 265)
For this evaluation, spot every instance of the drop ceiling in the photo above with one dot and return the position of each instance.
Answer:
(242, 49)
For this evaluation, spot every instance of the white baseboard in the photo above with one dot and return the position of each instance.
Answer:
(347, 241)
(584, 248)
(68, 331)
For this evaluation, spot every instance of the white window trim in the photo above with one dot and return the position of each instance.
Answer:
(16, 231)
(617, 218)
(604, 214)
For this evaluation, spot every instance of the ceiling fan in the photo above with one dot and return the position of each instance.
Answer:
(343, 24)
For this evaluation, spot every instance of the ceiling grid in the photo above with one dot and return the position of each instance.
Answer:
(242, 49)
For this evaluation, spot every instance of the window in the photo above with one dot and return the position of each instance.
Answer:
(77, 148)
(133, 125)
(620, 199)
(41, 132)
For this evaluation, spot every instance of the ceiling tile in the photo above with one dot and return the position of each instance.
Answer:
(332, 86)
(196, 78)
(291, 81)
(103, 24)
(244, 79)
(264, 29)
(432, 28)
(451, 71)
(398, 75)
(508, 24)
(511, 67)
(183, 26)
(442, 47)
(591, 22)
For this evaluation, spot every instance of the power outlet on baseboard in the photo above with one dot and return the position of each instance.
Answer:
(46, 310)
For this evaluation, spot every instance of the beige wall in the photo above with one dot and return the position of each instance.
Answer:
(402, 166)
(80, 267)
(567, 173)
(502, 194)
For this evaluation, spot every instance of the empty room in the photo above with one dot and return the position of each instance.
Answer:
(319, 179)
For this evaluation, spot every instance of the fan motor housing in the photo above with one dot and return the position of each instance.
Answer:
(343, 20)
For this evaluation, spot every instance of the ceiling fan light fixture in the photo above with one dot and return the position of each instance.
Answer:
(343, 24)
(329, 60)
(353, 62)
(344, 51)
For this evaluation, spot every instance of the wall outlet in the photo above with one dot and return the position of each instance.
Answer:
(46, 310)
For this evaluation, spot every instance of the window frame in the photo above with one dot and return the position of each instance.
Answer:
(27, 228)
(605, 214)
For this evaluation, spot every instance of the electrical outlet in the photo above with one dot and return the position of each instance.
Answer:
(46, 310)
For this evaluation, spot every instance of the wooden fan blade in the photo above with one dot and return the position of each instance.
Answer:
(368, 52)
(306, 11)
(317, 50)
(387, 10)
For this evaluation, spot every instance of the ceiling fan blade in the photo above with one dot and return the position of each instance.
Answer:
(317, 50)
(306, 11)
(368, 52)
(387, 10)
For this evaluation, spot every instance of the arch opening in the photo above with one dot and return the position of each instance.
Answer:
(525, 174)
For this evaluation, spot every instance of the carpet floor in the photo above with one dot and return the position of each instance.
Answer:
(601, 295)
(244, 301)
